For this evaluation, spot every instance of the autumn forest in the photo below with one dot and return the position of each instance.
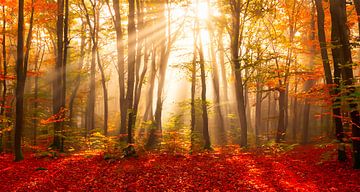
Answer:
(179, 95)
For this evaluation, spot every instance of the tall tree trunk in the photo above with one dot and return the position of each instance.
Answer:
(221, 136)
(268, 122)
(90, 109)
(148, 115)
(222, 66)
(20, 85)
(131, 67)
(193, 89)
(258, 117)
(235, 59)
(78, 77)
(295, 124)
(309, 83)
(165, 47)
(281, 129)
(150, 93)
(58, 83)
(66, 43)
(102, 73)
(3, 101)
(341, 48)
(36, 91)
(338, 60)
(105, 94)
(207, 144)
(120, 65)
(329, 80)
(139, 78)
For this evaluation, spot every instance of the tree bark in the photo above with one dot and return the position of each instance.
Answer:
(235, 59)
(3, 101)
(90, 109)
(309, 83)
(328, 77)
(20, 85)
(338, 60)
(207, 144)
(221, 136)
(258, 114)
(120, 65)
(131, 67)
(58, 81)
(342, 56)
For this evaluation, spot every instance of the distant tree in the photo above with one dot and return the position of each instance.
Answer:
(310, 82)
(79, 69)
(4, 68)
(221, 136)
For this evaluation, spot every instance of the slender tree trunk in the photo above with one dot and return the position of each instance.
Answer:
(131, 67)
(258, 117)
(239, 87)
(66, 43)
(58, 83)
(3, 102)
(281, 130)
(142, 43)
(222, 66)
(105, 94)
(150, 93)
(221, 137)
(29, 38)
(193, 89)
(148, 116)
(268, 118)
(102, 73)
(165, 47)
(20, 85)
(78, 77)
(36, 91)
(90, 109)
(120, 65)
(309, 83)
(207, 144)
(295, 113)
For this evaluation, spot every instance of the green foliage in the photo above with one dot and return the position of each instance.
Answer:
(176, 136)
(273, 147)
(47, 153)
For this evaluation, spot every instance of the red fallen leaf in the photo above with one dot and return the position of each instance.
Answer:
(303, 169)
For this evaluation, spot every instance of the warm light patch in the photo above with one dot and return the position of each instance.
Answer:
(202, 10)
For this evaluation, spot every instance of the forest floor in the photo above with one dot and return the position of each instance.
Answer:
(304, 168)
